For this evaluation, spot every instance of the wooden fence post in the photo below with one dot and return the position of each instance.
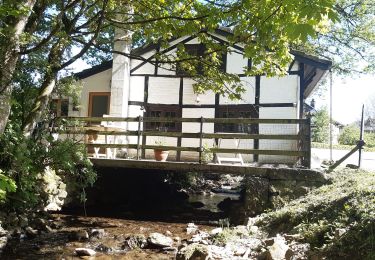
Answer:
(306, 142)
(140, 119)
(201, 139)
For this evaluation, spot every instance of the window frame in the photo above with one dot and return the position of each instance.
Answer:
(92, 94)
(58, 102)
(235, 111)
(163, 110)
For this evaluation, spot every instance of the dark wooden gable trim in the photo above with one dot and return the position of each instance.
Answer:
(257, 103)
(162, 52)
(94, 70)
(312, 60)
(145, 100)
(301, 88)
(180, 102)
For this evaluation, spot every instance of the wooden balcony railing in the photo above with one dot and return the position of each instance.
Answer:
(83, 125)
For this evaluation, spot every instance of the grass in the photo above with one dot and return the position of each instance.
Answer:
(339, 147)
(347, 203)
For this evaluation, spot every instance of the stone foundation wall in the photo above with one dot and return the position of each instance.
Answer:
(260, 194)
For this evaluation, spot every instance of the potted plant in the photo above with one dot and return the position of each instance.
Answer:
(160, 154)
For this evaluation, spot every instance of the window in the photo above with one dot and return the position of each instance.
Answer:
(163, 111)
(236, 111)
(99, 103)
(59, 107)
(197, 50)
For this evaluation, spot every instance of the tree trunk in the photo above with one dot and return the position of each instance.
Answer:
(47, 87)
(9, 57)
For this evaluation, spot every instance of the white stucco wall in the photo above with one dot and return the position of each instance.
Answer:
(236, 62)
(190, 98)
(163, 90)
(136, 92)
(248, 96)
(279, 89)
(278, 113)
(100, 82)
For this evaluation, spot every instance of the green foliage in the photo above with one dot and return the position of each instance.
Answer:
(347, 203)
(184, 180)
(24, 161)
(320, 129)
(207, 155)
(349, 135)
(340, 147)
(349, 42)
(6, 185)
(266, 30)
(369, 139)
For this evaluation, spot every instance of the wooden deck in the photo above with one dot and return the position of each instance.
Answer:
(272, 173)
(100, 126)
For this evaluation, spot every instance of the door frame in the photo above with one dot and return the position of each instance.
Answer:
(92, 94)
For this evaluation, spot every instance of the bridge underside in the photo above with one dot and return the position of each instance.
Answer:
(271, 173)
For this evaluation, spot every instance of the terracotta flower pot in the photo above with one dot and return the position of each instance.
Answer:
(161, 155)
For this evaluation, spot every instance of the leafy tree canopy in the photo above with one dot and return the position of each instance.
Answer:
(350, 41)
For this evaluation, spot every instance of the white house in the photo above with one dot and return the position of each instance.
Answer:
(127, 87)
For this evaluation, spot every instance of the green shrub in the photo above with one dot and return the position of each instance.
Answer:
(6, 185)
(23, 162)
(350, 136)
(320, 129)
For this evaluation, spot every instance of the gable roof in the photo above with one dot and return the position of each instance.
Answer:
(318, 67)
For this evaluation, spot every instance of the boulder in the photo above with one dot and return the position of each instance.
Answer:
(278, 250)
(84, 251)
(23, 221)
(30, 232)
(133, 242)
(103, 248)
(80, 235)
(3, 243)
(159, 240)
(3, 232)
(193, 252)
(42, 224)
(191, 228)
(97, 233)
(216, 231)
(200, 237)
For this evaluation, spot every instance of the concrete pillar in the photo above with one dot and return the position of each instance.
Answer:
(120, 83)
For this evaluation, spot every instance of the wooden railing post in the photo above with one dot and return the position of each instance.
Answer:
(306, 143)
(140, 119)
(201, 139)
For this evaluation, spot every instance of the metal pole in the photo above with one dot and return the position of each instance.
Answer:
(330, 116)
(361, 138)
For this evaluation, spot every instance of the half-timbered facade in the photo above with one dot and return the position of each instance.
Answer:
(128, 87)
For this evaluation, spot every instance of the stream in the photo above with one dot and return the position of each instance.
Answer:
(168, 215)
